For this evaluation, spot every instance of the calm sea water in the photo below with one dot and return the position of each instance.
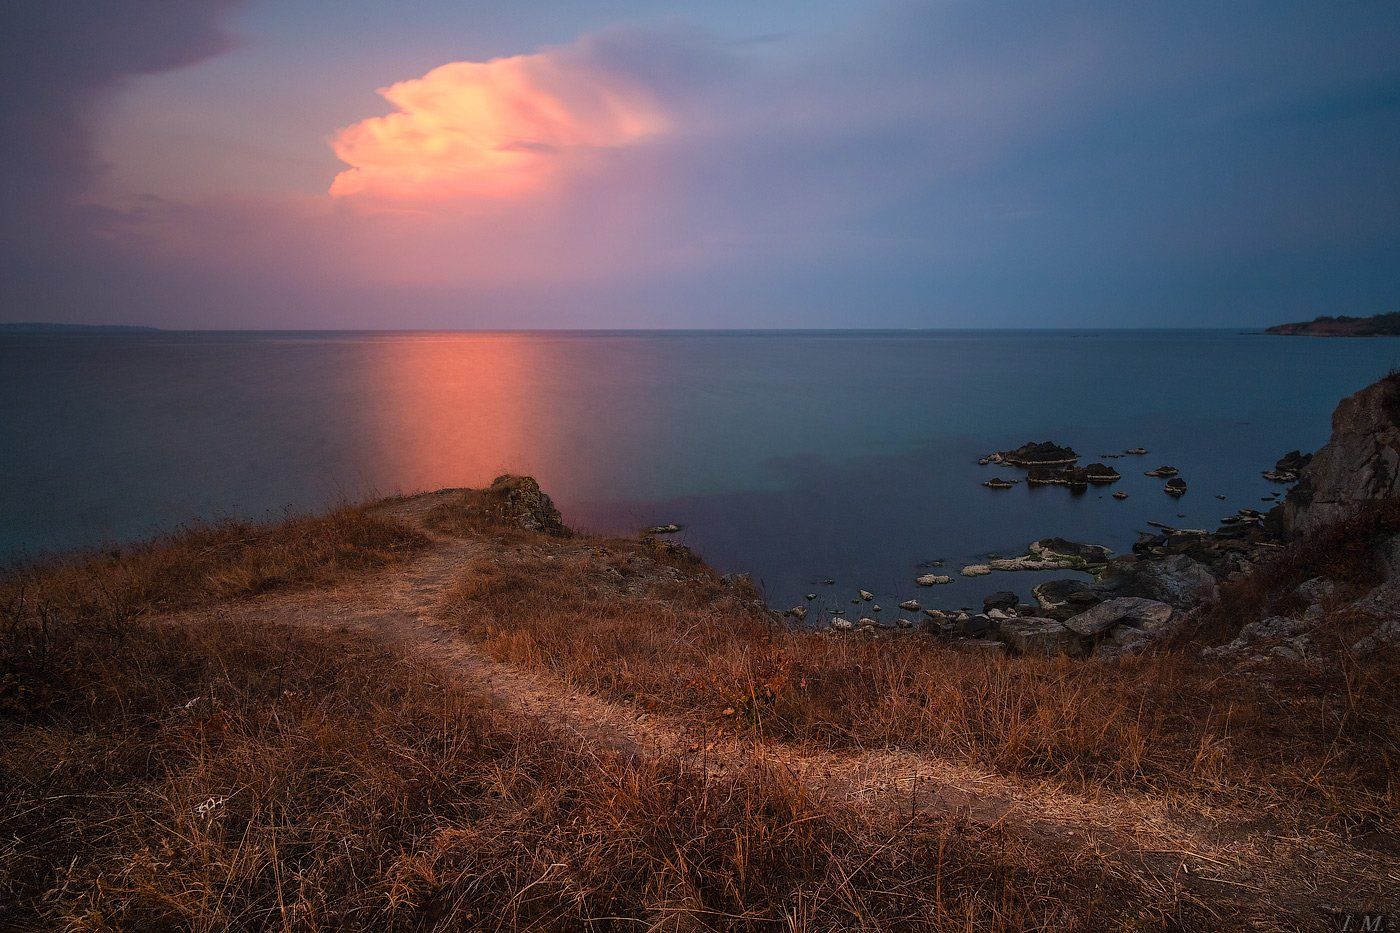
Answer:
(793, 456)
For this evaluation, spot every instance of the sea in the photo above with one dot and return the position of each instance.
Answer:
(797, 457)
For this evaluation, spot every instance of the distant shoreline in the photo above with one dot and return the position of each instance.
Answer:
(1377, 325)
(38, 327)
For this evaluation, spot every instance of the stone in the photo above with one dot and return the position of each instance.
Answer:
(665, 529)
(1359, 464)
(1040, 637)
(1316, 589)
(1043, 453)
(866, 595)
(1177, 580)
(911, 604)
(1175, 487)
(903, 623)
(1120, 495)
(1133, 611)
(996, 482)
(1099, 474)
(1062, 548)
(1004, 600)
(970, 626)
(1162, 471)
(934, 579)
(525, 505)
(1136, 451)
(841, 624)
(798, 612)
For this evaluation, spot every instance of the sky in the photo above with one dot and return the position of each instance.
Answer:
(217, 164)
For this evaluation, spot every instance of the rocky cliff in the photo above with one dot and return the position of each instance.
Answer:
(1359, 464)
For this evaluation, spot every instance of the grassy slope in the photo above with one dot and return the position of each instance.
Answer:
(345, 788)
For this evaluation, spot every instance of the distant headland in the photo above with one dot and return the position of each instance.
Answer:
(1377, 325)
(44, 327)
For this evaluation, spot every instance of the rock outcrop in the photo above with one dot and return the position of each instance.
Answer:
(523, 503)
(1358, 465)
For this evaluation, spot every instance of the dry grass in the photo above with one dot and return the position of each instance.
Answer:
(212, 776)
(634, 621)
(209, 777)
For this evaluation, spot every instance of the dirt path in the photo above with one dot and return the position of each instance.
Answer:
(1137, 837)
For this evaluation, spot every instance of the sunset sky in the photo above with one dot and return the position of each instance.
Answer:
(791, 163)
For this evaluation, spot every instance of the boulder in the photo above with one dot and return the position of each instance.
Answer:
(798, 612)
(1132, 611)
(523, 503)
(866, 595)
(934, 579)
(842, 624)
(1100, 473)
(1072, 550)
(1175, 487)
(911, 604)
(1060, 599)
(1037, 637)
(974, 570)
(1033, 454)
(1005, 600)
(1162, 471)
(996, 482)
(978, 626)
(1359, 464)
(1177, 580)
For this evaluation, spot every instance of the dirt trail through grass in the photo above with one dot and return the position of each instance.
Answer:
(1137, 837)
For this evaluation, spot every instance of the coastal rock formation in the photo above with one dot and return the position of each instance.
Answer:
(1044, 453)
(523, 503)
(1177, 580)
(1060, 599)
(1359, 464)
(1101, 473)
(934, 579)
(1162, 471)
(1036, 636)
(1146, 614)
(996, 482)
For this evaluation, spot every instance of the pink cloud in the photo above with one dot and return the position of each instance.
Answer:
(494, 129)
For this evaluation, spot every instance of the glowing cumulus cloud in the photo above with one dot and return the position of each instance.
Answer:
(491, 129)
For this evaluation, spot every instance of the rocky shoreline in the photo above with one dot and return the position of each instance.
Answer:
(1136, 599)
